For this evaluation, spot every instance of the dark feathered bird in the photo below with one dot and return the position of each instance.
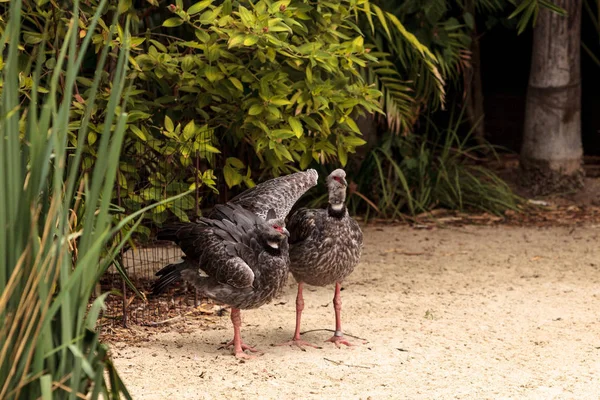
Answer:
(325, 246)
(241, 260)
(279, 194)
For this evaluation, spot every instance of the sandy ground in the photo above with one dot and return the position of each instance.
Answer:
(464, 312)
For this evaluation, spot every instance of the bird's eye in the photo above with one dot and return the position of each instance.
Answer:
(277, 227)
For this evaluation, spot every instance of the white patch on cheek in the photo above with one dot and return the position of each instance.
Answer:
(337, 207)
(274, 245)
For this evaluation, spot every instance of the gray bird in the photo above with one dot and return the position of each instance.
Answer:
(240, 259)
(325, 246)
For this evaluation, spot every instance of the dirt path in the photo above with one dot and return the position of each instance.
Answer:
(469, 313)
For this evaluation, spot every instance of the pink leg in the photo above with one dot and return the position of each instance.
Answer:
(238, 345)
(296, 341)
(338, 336)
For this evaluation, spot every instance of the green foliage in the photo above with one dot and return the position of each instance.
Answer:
(280, 76)
(423, 45)
(48, 345)
(417, 173)
(528, 11)
(274, 85)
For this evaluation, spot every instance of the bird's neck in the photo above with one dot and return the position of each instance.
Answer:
(336, 210)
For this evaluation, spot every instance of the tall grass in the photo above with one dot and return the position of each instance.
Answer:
(48, 344)
(438, 168)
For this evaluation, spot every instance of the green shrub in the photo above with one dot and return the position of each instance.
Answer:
(273, 86)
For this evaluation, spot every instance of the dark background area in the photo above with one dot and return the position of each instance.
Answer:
(505, 63)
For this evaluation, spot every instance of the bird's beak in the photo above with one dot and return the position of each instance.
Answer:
(344, 182)
(286, 232)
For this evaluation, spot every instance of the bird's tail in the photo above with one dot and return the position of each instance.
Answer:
(169, 232)
(168, 275)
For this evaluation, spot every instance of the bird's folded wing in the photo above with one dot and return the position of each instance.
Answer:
(235, 272)
(304, 223)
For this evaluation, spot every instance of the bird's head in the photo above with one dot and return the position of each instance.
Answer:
(273, 230)
(336, 184)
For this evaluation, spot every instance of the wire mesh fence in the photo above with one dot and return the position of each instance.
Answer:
(160, 177)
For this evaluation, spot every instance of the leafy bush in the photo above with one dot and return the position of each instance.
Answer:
(273, 85)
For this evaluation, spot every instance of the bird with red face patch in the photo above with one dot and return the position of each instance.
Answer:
(325, 246)
(240, 260)
(239, 255)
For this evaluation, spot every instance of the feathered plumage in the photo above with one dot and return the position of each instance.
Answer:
(240, 260)
(239, 255)
(325, 246)
(279, 194)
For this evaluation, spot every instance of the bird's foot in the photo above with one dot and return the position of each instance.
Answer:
(339, 339)
(245, 356)
(239, 351)
(299, 343)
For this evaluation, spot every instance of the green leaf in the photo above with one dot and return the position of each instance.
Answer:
(236, 82)
(247, 18)
(282, 151)
(354, 141)
(232, 176)
(382, 20)
(282, 134)
(169, 124)
(296, 126)
(138, 132)
(236, 40)
(172, 22)
(202, 36)
(342, 155)
(280, 101)
(469, 20)
(306, 159)
(32, 38)
(309, 75)
(235, 162)
(213, 73)
(159, 45)
(256, 109)
(188, 63)
(250, 40)
(358, 43)
(227, 7)
(208, 148)
(312, 123)
(189, 130)
(201, 5)
(123, 6)
(179, 213)
(350, 122)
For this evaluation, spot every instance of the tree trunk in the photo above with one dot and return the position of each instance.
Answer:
(551, 154)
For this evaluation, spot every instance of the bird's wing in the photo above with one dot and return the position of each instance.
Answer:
(305, 223)
(234, 260)
(279, 194)
(235, 272)
(190, 237)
